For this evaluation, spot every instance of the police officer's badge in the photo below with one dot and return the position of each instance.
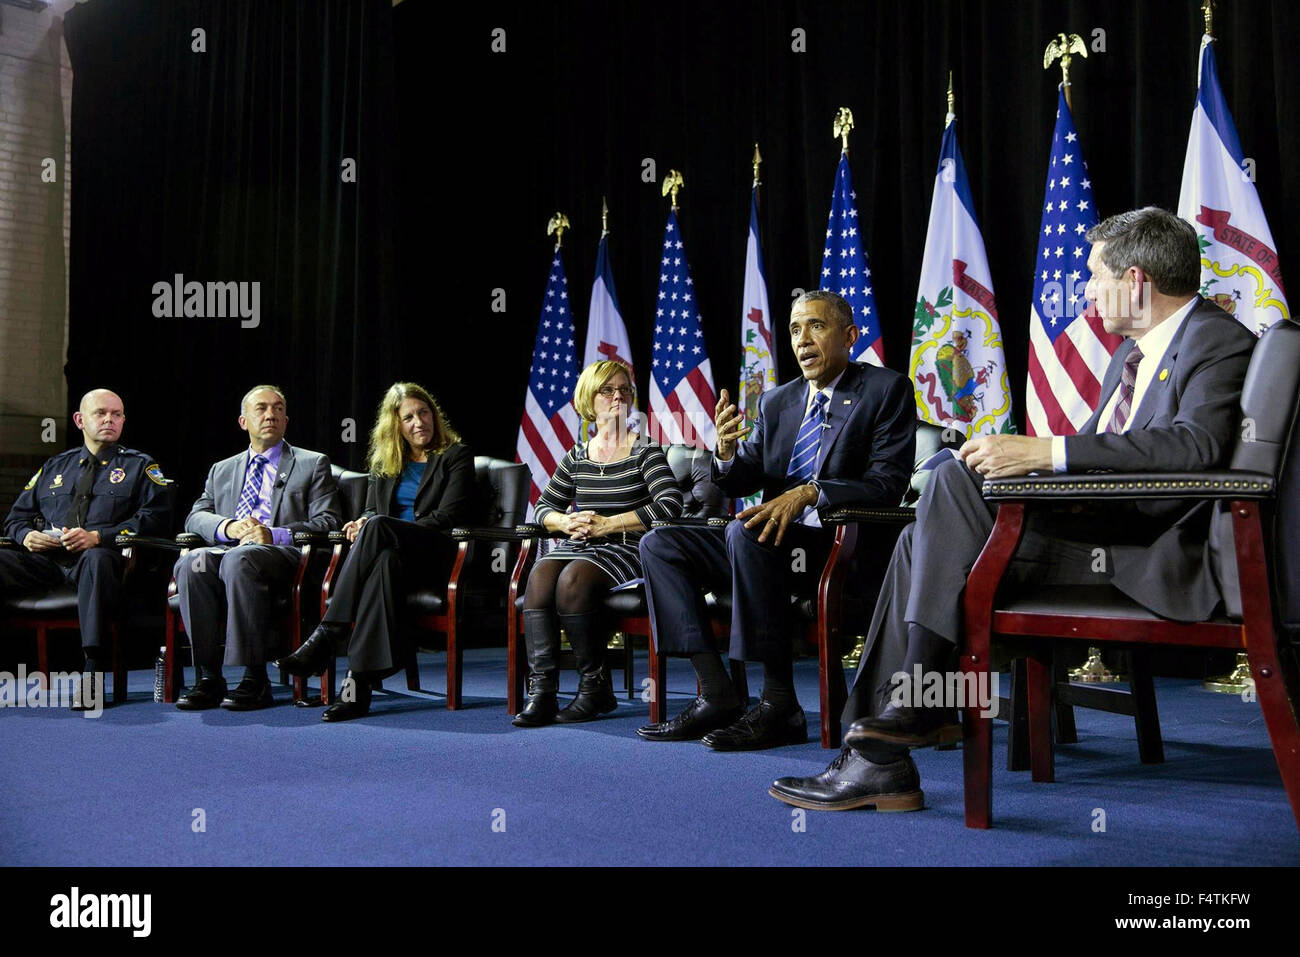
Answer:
(58, 481)
(155, 474)
(117, 475)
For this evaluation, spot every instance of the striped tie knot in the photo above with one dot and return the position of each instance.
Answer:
(1127, 384)
(252, 492)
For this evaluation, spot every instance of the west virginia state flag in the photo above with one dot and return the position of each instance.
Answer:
(958, 372)
(1239, 266)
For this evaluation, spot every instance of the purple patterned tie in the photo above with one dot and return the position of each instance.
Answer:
(1127, 381)
(252, 493)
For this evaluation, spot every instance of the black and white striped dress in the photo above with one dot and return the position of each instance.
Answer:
(642, 482)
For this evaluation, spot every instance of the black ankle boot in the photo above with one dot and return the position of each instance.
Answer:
(542, 642)
(595, 696)
(316, 653)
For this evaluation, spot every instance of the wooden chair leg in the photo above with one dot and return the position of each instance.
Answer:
(629, 676)
(1018, 718)
(455, 669)
(740, 682)
(516, 664)
(1063, 711)
(658, 672)
(1146, 718)
(1038, 681)
(119, 666)
(43, 655)
(327, 684)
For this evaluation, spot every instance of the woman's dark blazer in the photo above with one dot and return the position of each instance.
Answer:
(445, 499)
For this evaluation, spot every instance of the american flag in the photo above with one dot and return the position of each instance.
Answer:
(845, 269)
(1068, 347)
(550, 424)
(682, 397)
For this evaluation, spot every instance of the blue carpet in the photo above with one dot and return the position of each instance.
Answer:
(416, 784)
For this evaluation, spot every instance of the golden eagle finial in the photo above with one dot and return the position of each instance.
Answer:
(841, 127)
(673, 182)
(558, 224)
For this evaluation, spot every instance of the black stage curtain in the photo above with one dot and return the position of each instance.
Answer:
(226, 165)
(586, 90)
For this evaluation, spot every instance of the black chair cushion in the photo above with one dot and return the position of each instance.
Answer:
(61, 600)
(426, 601)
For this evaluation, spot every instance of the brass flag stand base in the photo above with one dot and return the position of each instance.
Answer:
(1094, 670)
(854, 657)
(1238, 682)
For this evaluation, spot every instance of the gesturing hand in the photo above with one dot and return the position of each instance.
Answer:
(729, 423)
(775, 516)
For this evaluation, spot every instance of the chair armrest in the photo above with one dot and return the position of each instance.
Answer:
(493, 533)
(6, 542)
(533, 530)
(711, 521)
(319, 538)
(190, 540)
(127, 540)
(875, 514)
(1133, 486)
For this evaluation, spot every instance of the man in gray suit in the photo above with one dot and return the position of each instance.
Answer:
(251, 505)
(1169, 402)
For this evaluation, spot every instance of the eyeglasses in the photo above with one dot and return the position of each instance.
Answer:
(608, 391)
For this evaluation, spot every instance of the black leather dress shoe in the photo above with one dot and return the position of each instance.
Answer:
(695, 721)
(354, 700)
(763, 727)
(250, 695)
(206, 693)
(315, 654)
(852, 781)
(913, 727)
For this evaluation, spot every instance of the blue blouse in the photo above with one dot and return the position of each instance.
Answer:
(406, 489)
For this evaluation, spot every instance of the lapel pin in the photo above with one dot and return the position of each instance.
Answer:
(1164, 374)
(848, 401)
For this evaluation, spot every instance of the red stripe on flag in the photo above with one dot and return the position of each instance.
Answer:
(1076, 367)
(678, 413)
(561, 430)
(1057, 421)
(538, 444)
(703, 390)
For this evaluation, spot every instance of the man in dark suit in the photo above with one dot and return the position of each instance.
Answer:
(251, 505)
(843, 433)
(1169, 402)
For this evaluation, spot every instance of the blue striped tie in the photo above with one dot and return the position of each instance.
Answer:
(803, 458)
(251, 496)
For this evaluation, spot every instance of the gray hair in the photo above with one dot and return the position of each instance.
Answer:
(261, 388)
(840, 309)
(1157, 242)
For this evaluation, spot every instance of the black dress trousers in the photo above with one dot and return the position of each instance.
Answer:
(389, 557)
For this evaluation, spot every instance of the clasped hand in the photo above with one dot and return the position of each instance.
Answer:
(580, 526)
(1005, 456)
(353, 528)
(74, 540)
(249, 531)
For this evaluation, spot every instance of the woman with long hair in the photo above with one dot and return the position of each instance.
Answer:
(421, 485)
(617, 487)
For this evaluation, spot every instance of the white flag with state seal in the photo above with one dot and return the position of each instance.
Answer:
(1239, 264)
(959, 374)
(606, 334)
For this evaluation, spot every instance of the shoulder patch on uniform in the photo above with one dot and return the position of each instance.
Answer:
(31, 482)
(154, 471)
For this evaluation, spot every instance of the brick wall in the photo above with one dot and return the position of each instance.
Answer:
(35, 110)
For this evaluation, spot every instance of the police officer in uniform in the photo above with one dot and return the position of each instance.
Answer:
(66, 517)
